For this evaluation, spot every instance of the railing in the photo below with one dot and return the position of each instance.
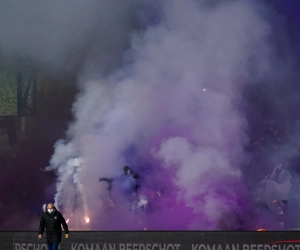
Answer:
(156, 240)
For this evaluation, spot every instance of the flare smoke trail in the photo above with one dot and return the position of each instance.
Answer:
(174, 113)
(61, 39)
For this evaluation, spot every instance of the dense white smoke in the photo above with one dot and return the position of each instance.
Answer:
(175, 107)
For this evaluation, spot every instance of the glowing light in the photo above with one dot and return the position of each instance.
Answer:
(204, 89)
(67, 220)
(87, 219)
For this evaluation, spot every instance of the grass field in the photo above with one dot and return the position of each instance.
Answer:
(8, 91)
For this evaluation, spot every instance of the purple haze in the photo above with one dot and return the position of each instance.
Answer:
(174, 112)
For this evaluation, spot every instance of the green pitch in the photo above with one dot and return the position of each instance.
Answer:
(8, 91)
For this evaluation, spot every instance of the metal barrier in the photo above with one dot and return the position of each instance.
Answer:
(155, 240)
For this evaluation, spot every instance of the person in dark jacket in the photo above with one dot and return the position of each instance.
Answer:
(52, 221)
(128, 182)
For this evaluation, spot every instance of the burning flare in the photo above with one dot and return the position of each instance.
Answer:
(69, 219)
(87, 219)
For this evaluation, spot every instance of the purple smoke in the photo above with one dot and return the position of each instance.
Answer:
(175, 114)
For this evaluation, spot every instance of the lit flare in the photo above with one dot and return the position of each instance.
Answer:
(87, 219)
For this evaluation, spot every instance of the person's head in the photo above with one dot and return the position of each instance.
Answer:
(50, 208)
(127, 170)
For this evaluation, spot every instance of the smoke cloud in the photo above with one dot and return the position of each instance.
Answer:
(198, 97)
(175, 112)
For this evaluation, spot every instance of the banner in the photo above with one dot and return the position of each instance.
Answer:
(155, 240)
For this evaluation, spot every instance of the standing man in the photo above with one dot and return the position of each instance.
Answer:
(52, 221)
